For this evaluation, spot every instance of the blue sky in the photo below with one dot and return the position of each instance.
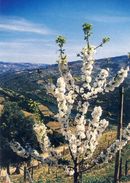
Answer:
(28, 28)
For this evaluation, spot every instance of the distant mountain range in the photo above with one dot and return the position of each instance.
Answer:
(27, 77)
(12, 66)
(16, 67)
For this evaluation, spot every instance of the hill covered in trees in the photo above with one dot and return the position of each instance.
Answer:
(31, 83)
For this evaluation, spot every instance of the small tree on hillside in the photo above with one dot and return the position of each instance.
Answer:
(82, 134)
(16, 129)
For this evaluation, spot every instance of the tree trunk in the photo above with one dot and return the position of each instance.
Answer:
(76, 175)
(120, 174)
(17, 170)
(8, 169)
(119, 137)
(126, 168)
(28, 163)
(25, 174)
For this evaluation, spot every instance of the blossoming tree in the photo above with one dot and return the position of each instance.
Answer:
(82, 134)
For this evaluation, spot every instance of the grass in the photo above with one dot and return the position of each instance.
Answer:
(99, 174)
(55, 175)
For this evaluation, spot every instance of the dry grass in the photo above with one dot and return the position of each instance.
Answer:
(45, 110)
(54, 125)
(1, 108)
(52, 173)
(27, 114)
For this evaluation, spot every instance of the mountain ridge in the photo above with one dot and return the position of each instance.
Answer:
(12, 66)
(16, 66)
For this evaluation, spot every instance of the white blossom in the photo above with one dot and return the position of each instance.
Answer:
(87, 67)
(72, 143)
(19, 150)
(51, 88)
(25, 152)
(41, 134)
(121, 75)
(110, 152)
(95, 129)
(126, 133)
(69, 171)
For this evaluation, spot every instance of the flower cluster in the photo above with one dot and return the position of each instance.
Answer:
(85, 139)
(25, 152)
(95, 129)
(69, 171)
(121, 75)
(80, 119)
(41, 134)
(76, 144)
(87, 67)
(72, 142)
(19, 150)
(51, 88)
(60, 96)
(106, 155)
(126, 133)
(101, 85)
(65, 99)
(100, 82)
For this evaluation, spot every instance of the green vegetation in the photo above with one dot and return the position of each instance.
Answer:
(14, 126)
(60, 41)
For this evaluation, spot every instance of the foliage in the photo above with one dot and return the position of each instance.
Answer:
(60, 41)
(40, 180)
(14, 123)
(56, 139)
(95, 179)
(125, 178)
(15, 127)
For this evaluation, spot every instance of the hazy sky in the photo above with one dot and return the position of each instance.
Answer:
(28, 28)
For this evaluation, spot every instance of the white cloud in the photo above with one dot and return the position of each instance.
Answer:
(28, 51)
(109, 19)
(36, 51)
(16, 24)
(45, 51)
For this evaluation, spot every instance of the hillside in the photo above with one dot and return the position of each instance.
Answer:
(25, 85)
(31, 83)
(102, 173)
(17, 67)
